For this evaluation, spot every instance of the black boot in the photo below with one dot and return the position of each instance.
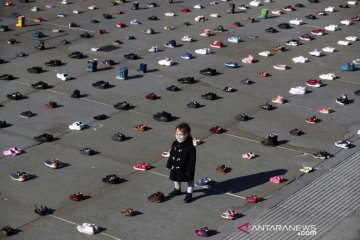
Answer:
(135, 6)
(142, 69)
(76, 94)
(188, 198)
(175, 192)
(231, 8)
(271, 140)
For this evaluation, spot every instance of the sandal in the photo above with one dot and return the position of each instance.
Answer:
(248, 155)
(128, 212)
(253, 199)
(140, 127)
(230, 215)
(277, 179)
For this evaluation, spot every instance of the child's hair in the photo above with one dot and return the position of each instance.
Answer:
(184, 128)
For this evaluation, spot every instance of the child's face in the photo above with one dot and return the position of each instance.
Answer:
(179, 133)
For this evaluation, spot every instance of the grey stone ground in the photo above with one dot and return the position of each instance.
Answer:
(172, 219)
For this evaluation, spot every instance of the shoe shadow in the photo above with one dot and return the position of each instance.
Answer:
(135, 76)
(238, 184)
(281, 142)
(104, 69)
(136, 213)
(152, 70)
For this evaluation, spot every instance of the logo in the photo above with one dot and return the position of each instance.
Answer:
(244, 228)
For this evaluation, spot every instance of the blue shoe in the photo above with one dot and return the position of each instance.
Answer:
(186, 56)
(348, 67)
(135, 22)
(233, 39)
(62, 15)
(203, 182)
(232, 64)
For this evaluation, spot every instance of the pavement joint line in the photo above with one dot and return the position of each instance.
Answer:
(303, 25)
(349, 82)
(65, 220)
(227, 193)
(55, 24)
(300, 106)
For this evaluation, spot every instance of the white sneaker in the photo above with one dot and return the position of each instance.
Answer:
(265, 53)
(300, 59)
(296, 21)
(95, 49)
(203, 51)
(280, 67)
(76, 12)
(346, 22)
(186, 38)
(329, 49)
(243, 7)
(34, 9)
(63, 76)
(198, 6)
(166, 62)
(169, 14)
(356, 61)
(254, 3)
(299, 90)
(154, 49)
(327, 76)
(214, 3)
(276, 12)
(329, 9)
(331, 27)
(88, 228)
(343, 144)
(200, 19)
(315, 53)
(57, 30)
(64, 2)
(343, 42)
(77, 126)
(351, 38)
(352, 2)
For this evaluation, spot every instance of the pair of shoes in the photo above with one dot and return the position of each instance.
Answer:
(278, 100)
(267, 106)
(27, 114)
(217, 44)
(348, 67)
(40, 85)
(142, 166)
(271, 140)
(193, 104)
(141, 127)
(35, 70)
(210, 96)
(131, 56)
(173, 88)
(44, 138)
(12, 151)
(343, 144)
(248, 155)
(343, 100)
(122, 106)
(300, 59)
(312, 120)
(163, 116)
(322, 155)
(249, 59)
(306, 169)
(101, 84)
(42, 210)
(88, 228)
(223, 169)
(313, 83)
(111, 179)
(15, 96)
(204, 232)
(234, 39)
(77, 197)
(254, 199)
(175, 192)
(118, 137)
(53, 63)
(87, 151)
(157, 197)
(129, 212)
(151, 96)
(229, 89)
(217, 130)
(100, 117)
(204, 182)
(3, 124)
(77, 126)
(166, 62)
(280, 67)
(242, 117)
(20, 176)
(327, 76)
(188, 80)
(186, 56)
(230, 214)
(63, 76)
(54, 163)
(208, 72)
(296, 132)
(8, 231)
(277, 179)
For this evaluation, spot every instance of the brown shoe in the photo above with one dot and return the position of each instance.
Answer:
(157, 197)
(296, 132)
(8, 231)
(140, 127)
(262, 74)
(128, 212)
(223, 169)
(51, 104)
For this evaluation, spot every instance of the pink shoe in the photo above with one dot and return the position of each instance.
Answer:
(249, 59)
(230, 215)
(277, 179)
(248, 155)
(203, 232)
(205, 34)
(279, 100)
(142, 166)
(12, 151)
(50, 5)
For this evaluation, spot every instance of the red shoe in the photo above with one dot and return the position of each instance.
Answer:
(312, 120)
(216, 129)
(313, 83)
(121, 25)
(142, 166)
(39, 20)
(217, 44)
(151, 96)
(253, 199)
(185, 10)
(8, 3)
(76, 197)
(318, 31)
(236, 24)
